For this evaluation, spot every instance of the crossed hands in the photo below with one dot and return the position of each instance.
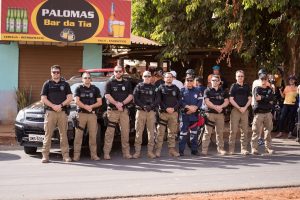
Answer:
(218, 108)
(119, 106)
(191, 109)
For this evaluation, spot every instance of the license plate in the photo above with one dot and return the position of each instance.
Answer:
(36, 138)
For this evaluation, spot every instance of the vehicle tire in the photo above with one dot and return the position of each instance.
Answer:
(30, 150)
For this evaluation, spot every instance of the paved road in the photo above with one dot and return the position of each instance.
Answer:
(24, 177)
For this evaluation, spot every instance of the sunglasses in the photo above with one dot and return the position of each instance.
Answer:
(55, 72)
(117, 71)
(147, 76)
(215, 80)
(190, 80)
(240, 76)
(86, 77)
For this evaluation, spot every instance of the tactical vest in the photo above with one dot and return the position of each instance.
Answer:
(119, 90)
(146, 93)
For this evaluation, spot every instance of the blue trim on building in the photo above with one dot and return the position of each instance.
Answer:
(9, 65)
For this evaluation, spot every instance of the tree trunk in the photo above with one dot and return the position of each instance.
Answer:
(292, 56)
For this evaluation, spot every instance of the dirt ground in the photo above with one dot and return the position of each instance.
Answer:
(264, 194)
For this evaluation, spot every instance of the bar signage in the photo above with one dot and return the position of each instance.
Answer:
(81, 21)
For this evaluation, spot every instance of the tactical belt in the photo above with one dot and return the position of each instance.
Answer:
(262, 111)
(165, 111)
(50, 109)
(110, 108)
(112, 124)
(162, 122)
(139, 108)
(87, 112)
(209, 122)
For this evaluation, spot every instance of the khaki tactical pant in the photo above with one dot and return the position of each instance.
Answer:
(122, 118)
(89, 120)
(260, 121)
(218, 119)
(52, 120)
(143, 118)
(172, 123)
(238, 119)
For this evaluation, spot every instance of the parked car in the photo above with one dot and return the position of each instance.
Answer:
(29, 123)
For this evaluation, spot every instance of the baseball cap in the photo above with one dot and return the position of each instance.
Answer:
(262, 71)
(147, 73)
(174, 74)
(262, 76)
(216, 67)
(189, 76)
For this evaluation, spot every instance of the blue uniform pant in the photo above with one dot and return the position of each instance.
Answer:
(183, 137)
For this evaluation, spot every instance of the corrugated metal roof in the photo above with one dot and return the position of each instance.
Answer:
(143, 41)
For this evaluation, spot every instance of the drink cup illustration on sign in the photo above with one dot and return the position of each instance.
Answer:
(118, 28)
(67, 34)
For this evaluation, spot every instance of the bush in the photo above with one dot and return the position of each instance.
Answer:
(23, 97)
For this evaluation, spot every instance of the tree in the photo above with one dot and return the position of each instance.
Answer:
(266, 31)
(177, 24)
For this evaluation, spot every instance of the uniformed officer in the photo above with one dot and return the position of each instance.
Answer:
(118, 95)
(88, 100)
(263, 99)
(240, 99)
(191, 101)
(216, 99)
(56, 96)
(168, 97)
(145, 101)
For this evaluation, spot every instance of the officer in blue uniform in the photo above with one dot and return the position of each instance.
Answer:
(191, 101)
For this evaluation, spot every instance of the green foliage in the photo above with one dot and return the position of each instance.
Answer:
(257, 30)
(23, 97)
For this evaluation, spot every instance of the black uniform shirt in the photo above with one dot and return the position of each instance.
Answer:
(87, 95)
(240, 93)
(216, 97)
(168, 97)
(119, 90)
(266, 103)
(56, 92)
(144, 94)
